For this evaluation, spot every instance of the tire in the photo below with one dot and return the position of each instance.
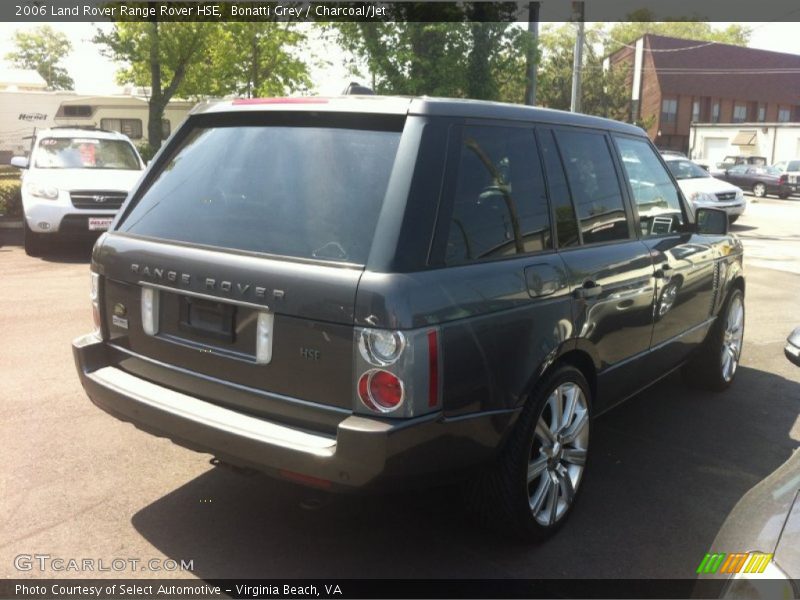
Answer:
(529, 491)
(716, 362)
(734, 218)
(36, 244)
(759, 190)
(783, 196)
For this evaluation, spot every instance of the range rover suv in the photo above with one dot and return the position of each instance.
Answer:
(352, 293)
(74, 182)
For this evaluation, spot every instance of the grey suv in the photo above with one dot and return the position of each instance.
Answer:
(361, 292)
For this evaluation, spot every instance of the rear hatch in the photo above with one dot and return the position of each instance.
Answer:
(232, 274)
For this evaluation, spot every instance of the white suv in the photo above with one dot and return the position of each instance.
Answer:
(704, 191)
(74, 182)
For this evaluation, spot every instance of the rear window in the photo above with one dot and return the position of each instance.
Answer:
(307, 192)
(85, 153)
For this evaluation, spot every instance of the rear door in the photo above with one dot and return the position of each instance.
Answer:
(610, 271)
(684, 261)
(239, 261)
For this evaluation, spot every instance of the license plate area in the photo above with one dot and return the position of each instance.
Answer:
(99, 223)
(207, 319)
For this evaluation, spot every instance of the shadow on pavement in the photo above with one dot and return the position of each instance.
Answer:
(666, 469)
(61, 251)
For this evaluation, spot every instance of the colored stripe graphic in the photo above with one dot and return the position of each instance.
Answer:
(752, 562)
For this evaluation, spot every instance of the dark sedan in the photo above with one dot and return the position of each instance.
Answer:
(761, 180)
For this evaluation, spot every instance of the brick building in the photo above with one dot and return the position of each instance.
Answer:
(678, 82)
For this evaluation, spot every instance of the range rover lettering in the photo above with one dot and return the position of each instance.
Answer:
(366, 292)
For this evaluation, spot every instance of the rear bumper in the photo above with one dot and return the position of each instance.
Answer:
(364, 452)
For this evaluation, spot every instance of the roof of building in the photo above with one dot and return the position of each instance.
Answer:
(424, 106)
(696, 68)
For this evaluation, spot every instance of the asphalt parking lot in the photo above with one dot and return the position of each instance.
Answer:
(666, 467)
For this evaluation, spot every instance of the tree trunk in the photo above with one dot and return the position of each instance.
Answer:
(155, 111)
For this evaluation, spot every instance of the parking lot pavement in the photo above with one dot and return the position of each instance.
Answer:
(666, 467)
(770, 230)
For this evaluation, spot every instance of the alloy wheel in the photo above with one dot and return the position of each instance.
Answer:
(732, 338)
(760, 190)
(558, 454)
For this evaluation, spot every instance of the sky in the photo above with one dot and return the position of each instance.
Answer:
(94, 74)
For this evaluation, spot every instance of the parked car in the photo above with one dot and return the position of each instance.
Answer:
(757, 550)
(73, 183)
(351, 293)
(761, 180)
(790, 168)
(792, 349)
(703, 190)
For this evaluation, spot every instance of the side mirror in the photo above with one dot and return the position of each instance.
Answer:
(792, 349)
(19, 161)
(711, 221)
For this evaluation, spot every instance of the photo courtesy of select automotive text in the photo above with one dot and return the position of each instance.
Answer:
(390, 299)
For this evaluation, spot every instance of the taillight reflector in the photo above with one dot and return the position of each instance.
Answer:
(380, 390)
(433, 368)
(305, 479)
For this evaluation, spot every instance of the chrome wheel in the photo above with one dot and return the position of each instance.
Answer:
(759, 190)
(558, 454)
(732, 338)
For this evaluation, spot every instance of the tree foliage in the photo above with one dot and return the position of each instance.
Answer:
(201, 59)
(43, 49)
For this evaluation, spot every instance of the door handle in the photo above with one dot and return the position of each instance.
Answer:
(663, 271)
(589, 289)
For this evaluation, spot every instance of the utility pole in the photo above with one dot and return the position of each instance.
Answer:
(532, 58)
(577, 15)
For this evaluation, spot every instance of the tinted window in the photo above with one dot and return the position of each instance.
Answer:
(566, 224)
(654, 194)
(85, 153)
(794, 165)
(310, 192)
(595, 189)
(500, 204)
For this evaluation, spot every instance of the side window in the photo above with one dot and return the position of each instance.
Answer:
(566, 224)
(500, 205)
(594, 185)
(654, 194)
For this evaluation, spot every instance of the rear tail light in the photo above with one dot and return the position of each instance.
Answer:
(784, 179)
(397, 373)
(94, 295)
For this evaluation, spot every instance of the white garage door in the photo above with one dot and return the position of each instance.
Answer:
(715, 149)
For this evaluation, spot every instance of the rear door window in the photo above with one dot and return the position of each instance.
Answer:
(300, 191)
(595, 188)
(500, 205)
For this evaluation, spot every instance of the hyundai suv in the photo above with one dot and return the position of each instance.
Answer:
(73, 183)
(352, 293)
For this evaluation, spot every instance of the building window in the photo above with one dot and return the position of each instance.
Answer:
(783, 115)
(715, 113)
(762, 113)
(696, 111)
(130, 127)
(669, 111)
(166, 128)
(739, 113)
(78, 110)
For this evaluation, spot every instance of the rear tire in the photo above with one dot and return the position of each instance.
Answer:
(36, 244)
(532, 487)
(716, 362)
(733, 218)
(759, 190)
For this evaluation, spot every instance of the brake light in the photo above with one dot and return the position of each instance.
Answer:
(784, 179)
(397, 372)
(296, 100)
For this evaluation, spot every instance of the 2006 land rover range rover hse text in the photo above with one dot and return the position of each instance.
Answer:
(353, 292)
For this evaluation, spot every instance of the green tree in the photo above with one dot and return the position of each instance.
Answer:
(459, 55)
(159, 55)
(43, 49)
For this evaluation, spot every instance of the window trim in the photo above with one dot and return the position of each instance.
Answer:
(629, 190)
